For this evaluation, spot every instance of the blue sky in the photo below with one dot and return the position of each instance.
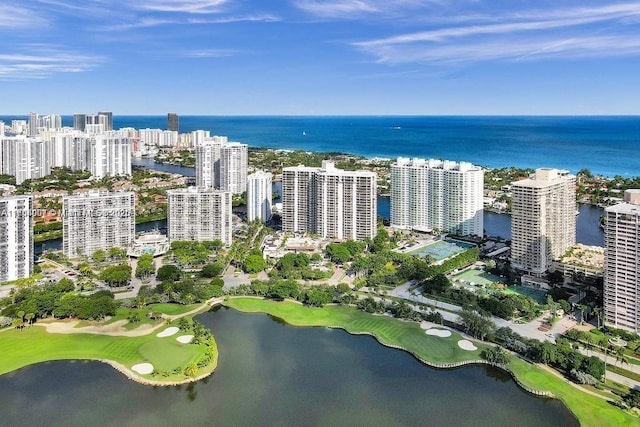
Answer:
(320, 57)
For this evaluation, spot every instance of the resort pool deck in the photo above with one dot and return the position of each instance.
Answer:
(441, 249)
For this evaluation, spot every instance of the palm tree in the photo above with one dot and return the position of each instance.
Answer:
(588, 341)
(29, 317)
(582, 309)
(20, 314)
(620, 356)
(598, 312)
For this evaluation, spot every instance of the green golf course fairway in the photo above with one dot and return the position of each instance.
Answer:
(590, 410)
(34, 344)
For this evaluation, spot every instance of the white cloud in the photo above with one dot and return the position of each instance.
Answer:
(41, 61)
(336, 8)
(210, 53)
(14, 17)
(523, 35)
(182, 6)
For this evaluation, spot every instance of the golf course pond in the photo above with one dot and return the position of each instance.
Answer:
(272, 373)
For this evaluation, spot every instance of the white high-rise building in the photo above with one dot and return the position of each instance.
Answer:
(622, 263)
(51, 122)
(331, 202)
(109, 155)
(208, 163)
(159, 137)
(97, 220)
(26, 158)
(543, 219)
(34, 124)
(259, 196)
(199, 136)
(1, 129)
(234, 158)
(437, 195)
(298, 199)
(199, 214)
(16, 238)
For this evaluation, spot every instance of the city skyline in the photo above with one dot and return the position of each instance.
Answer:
(306, 57)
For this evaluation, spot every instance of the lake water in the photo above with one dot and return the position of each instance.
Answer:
(273, 374)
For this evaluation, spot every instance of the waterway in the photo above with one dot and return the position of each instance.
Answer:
(497, 225)
(273, 374)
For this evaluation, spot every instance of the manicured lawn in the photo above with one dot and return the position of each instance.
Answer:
(168, 353)
(387, 330)
(168, 309)
(590, 410)
(31, 345)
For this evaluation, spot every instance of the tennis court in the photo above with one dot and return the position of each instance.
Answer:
(441, 249)
(478, 277)
(538, 295)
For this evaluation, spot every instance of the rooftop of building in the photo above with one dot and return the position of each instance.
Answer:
(196, 190)
(544, 177)
(329, 168)
(449, 165)
(584, 256)
(630, 203)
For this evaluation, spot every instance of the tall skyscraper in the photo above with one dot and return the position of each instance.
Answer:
(34, 124)
(622, 263)
(199, 214)
(97, 220)
(234, 158)
(208, 163)
(331, 202)
(106, 118)
(109, 155)
(259, 196)
(437, 195)
(25, 158)
(173, 122)
(51, 122)
(16, 238)
(199, 136)
(79, 121)
(543, 219)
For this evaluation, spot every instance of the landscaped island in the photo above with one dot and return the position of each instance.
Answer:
(168, 350)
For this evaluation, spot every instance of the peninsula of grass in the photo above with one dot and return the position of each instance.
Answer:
(387, 330)
(589, 410)
(170, 358)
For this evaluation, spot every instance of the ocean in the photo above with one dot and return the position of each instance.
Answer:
(607, 145)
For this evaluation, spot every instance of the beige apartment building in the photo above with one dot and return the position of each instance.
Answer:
(543, 219)
(622, 263)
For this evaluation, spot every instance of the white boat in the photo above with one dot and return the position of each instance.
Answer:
(304, 133)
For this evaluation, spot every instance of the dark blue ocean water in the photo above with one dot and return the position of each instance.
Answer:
(607, 145)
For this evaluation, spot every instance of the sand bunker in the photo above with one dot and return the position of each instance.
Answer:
(168, 332)
(143, 368)
(467, 345)
(185, 339)
(442, 333)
